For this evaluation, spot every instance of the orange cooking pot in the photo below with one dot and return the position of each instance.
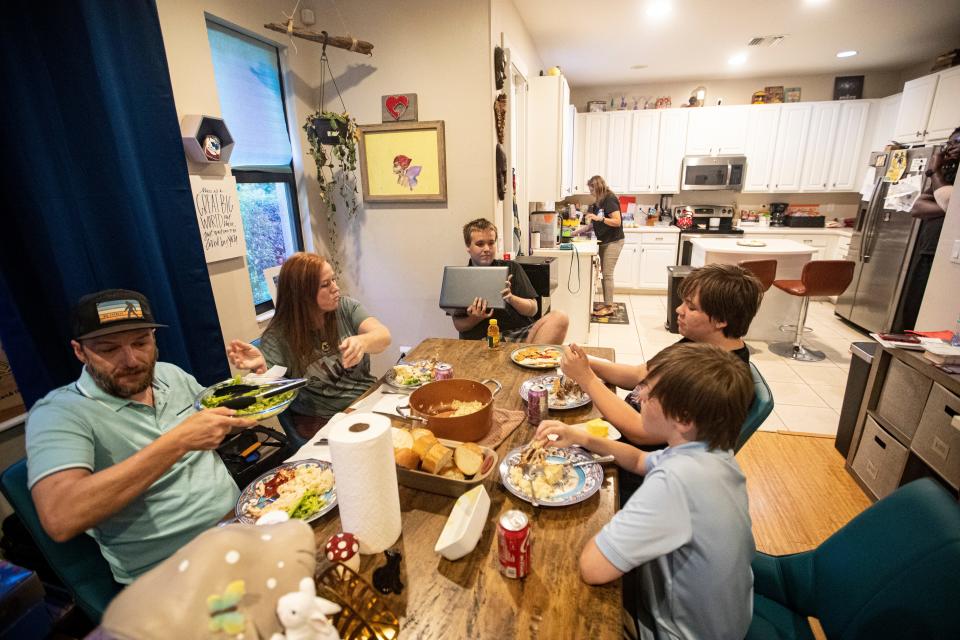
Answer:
(434, 402)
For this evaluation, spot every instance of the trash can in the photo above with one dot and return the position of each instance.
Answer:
(860, 363)
(675, 275)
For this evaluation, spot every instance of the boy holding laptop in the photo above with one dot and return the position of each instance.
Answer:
(686, 530)
(516, 318)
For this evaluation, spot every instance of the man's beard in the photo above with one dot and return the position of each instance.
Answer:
(113, 385)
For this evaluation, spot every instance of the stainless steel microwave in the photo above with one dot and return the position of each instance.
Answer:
(713, 173)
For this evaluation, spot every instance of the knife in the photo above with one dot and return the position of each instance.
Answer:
(397, 416)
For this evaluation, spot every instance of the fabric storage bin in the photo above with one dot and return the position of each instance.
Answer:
(902, 399)
(880, 459)
(937, 440)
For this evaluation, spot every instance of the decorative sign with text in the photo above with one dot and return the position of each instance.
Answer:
(218, 217)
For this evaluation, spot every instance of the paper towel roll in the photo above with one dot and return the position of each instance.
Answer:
(361, 446)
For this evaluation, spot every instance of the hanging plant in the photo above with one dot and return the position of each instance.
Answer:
(333, 139)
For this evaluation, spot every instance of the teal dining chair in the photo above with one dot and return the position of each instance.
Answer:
(77, 562)
(891, 572)
(760, 408)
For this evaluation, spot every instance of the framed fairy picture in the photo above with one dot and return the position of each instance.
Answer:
(403, 162)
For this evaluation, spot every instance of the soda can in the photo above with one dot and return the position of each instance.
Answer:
(537, 404)
(513, 544)
(442, 371)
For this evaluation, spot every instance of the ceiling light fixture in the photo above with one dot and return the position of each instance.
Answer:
(639, 66)
(737, 59)
(659, 9)
(846, 54)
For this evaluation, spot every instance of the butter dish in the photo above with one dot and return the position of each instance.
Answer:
(464, 527)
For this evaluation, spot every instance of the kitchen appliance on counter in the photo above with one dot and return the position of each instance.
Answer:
(544, 277)
(547, 224)
(882, 246)
(713, 173)
(713, 220)
(778, 211)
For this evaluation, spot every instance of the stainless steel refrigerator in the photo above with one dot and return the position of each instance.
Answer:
(882, 245)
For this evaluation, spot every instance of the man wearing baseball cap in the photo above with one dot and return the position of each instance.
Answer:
(121, 453)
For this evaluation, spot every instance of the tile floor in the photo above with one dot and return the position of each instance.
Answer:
(807, 396)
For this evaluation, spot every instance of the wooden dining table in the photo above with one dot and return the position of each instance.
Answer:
(469, 598)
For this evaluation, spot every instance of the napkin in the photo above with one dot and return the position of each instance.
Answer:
(316, 448)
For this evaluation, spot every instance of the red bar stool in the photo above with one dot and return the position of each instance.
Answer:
(764, 270)
(819, 278)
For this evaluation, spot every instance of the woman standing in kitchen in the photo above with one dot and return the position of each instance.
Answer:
(604, 213)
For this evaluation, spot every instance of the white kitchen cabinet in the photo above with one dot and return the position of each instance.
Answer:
(618, 150)
(579, 179)
(594, 145)
(883, 115)
(945, 112)
(643, 151)
(654, 260)
(547, 101)
(566, 169)
(915, 108)
(848, 155)
(791, 143)
(717, 130)
(626, 271)
(760, 147)
(671, 144)
(820, 144)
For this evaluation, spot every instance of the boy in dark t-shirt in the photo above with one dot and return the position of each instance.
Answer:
(516, 319)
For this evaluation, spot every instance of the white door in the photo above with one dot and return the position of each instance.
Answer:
(643, 151)
(654, 261)
(848, 152)
(595, 145)
(791, 143)
(945, 112)
(730, 129)
(915, 109)
(701, 132)
(625, 273)
(820, 141)
(566, 167)
(761, 143)
(579, 142)
(618, 150)
(670, 147)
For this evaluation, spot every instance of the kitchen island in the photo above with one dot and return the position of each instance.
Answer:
(574, 293)
(777, 308)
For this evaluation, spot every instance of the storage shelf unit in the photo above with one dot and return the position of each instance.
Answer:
(194, 128)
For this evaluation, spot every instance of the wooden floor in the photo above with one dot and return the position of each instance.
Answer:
(800, 493)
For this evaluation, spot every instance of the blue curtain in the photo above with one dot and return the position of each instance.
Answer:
(96, 193)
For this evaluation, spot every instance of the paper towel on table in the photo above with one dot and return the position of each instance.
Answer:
(361, 446)
(380, 401)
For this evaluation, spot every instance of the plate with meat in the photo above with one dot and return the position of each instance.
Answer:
(538, 356)
(562, 392)
(303, 489)
(542, 475)
(411, 374)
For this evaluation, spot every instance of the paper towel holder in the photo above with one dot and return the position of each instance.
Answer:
(359, 427)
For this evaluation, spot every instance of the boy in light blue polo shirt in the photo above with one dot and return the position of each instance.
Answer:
(121, 453)
(687, 528)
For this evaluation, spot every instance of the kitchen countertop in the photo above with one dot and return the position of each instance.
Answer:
(654, 229)
(583, 248)
(772, 247)
(844, 232)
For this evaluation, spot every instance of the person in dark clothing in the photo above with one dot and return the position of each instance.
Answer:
(607, 222)
(719, 302)
(930, 208)
(516, 319)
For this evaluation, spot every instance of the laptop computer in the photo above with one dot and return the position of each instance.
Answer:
(461, 285)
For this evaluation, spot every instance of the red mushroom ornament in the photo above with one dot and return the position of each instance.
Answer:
(345, 549)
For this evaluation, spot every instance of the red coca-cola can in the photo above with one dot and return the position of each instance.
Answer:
(513, 543)
(538, 404)
(442, 371)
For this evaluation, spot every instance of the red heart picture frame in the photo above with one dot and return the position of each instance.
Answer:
(397, 105)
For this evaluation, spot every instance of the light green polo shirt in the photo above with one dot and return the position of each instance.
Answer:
(79, 425)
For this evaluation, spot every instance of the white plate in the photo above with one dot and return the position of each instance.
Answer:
(530, 363)
(612, 432)
(553, 403)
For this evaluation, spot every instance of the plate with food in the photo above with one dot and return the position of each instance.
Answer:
(562, 392)
(412, 374)
(543, 476)
(303, 489)
(751, 243)
(538, 356)
(251, 400)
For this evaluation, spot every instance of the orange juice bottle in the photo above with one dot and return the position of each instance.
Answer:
(493, 335)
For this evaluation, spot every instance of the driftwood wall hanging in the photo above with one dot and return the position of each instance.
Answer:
(341, 42)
